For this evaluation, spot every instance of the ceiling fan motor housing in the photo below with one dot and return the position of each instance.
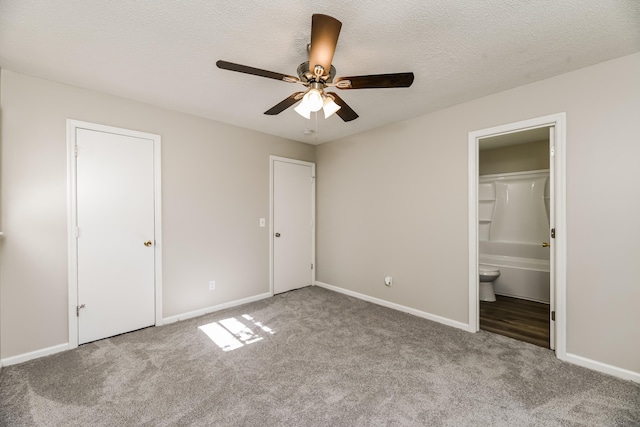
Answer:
(307, 76)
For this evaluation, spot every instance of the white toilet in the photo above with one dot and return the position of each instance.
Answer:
(487, 275)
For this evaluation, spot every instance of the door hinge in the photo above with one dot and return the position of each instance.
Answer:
(78, 307)
(77, 232)
(553, 151)
(75, 151)
(312, 266)
(553, 233)
(553, 316)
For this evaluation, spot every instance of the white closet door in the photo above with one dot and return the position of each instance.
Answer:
(292, 225)
(115, 218)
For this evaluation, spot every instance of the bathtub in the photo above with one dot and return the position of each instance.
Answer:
(524, 269)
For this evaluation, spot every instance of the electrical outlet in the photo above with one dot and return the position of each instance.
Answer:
(212, 285)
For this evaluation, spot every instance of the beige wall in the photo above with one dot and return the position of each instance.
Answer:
(215, 181)
(514, 158)
(393, 201)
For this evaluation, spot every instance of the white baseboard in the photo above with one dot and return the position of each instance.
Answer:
(384, 303)
(207, 310)
(603, 367)
(14, 360)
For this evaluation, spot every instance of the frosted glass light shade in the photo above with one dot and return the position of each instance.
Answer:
(329, 107)
(313, 100)
(303, 110)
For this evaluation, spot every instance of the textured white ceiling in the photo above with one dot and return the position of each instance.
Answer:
(163, 52)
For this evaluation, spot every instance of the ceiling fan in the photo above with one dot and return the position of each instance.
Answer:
(318, 73)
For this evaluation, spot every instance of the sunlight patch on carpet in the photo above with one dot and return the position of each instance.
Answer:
(231, 334)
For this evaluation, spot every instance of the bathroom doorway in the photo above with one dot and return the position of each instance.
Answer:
(516, 203)
(514, 207)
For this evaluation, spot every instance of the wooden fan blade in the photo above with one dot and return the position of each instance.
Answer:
(256, 71)
(376, 81)
(324, 38)
(286, 103)
(345, 112)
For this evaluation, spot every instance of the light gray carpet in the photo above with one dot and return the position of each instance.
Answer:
(331, 360)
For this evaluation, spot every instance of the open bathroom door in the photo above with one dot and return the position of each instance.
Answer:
(552, 233)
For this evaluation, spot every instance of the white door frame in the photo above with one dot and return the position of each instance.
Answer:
(72, 127)
(560, 241)
(272, 160)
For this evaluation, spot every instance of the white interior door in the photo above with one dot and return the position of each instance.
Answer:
(115, 233)
(552, 253)
(293, 204)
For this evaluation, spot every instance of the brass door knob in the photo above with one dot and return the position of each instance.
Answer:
(148, 243)
(545, 244)
(277, 234)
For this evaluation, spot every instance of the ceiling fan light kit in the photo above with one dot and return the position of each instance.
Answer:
(317, 74)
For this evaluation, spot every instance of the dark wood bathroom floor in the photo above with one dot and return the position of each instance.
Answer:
(516, 318)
